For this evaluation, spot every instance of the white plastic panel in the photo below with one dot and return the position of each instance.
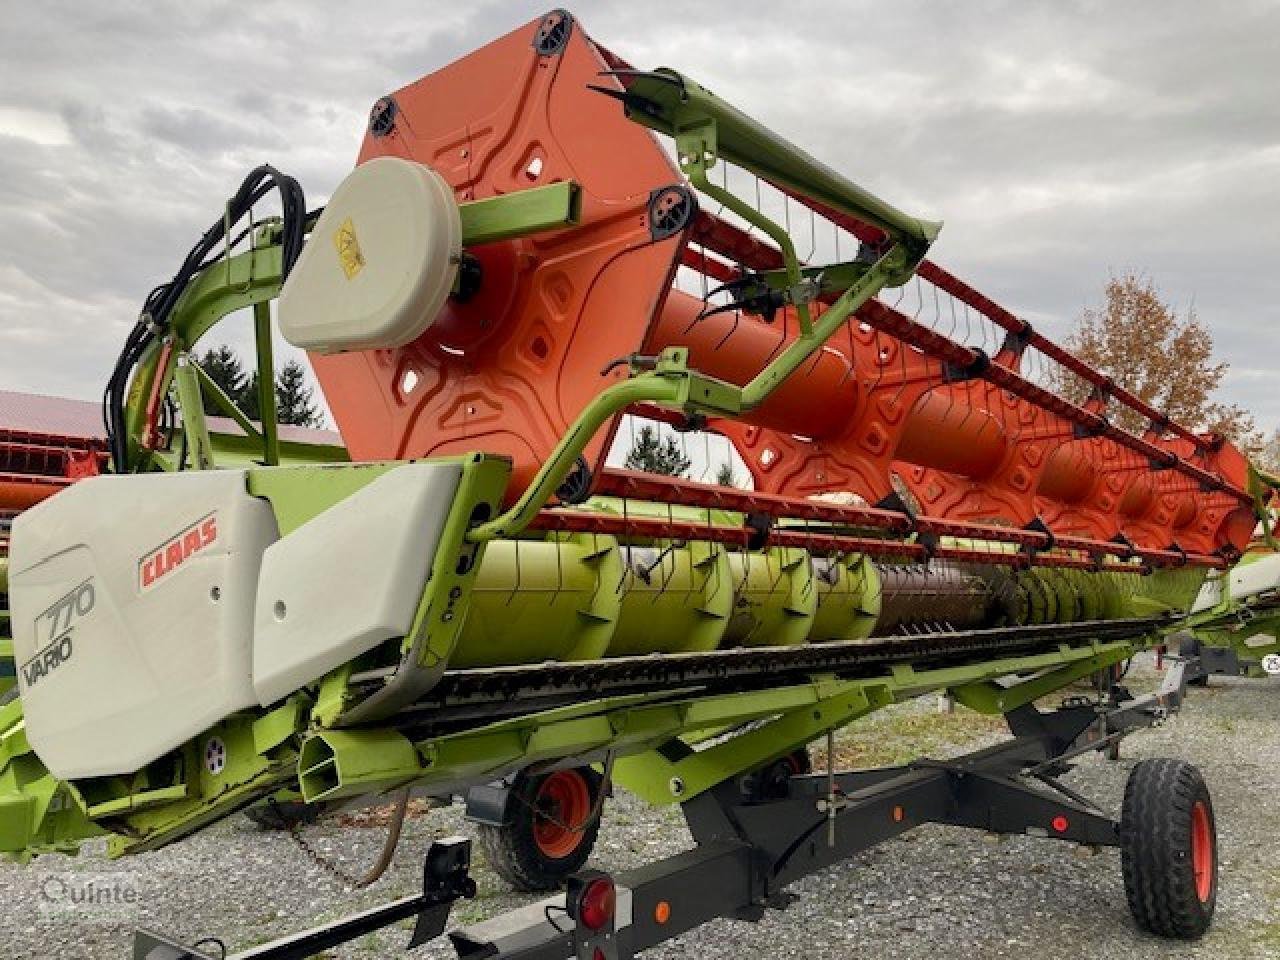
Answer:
(380, 262)
(349, 578)
(1255, 578)
(132, 602)
(1210, 594)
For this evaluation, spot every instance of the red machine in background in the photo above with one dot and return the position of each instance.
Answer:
(46, 443)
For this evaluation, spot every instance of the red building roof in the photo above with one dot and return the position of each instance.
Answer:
(82, 420)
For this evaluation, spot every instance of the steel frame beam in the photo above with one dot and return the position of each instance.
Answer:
(750, 847)
(748, 852)
(445, 879)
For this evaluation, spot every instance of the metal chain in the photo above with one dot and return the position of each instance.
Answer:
(394, 832)
(328, 866)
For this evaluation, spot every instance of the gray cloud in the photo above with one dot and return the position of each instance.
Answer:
(1059, 141)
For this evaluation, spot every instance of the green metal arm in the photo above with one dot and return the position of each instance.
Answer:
(246, 280)
(193, 422)
(809, 341)
(209, 388)
(252, 279)
(671, 384)
(671, 103)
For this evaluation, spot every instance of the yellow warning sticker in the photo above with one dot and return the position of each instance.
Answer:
(348, 247)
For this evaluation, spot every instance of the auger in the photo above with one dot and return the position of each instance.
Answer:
(469, 600)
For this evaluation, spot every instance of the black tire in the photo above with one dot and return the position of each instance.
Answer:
(520, 851)
(1169, 849)
(773, 781)
(799, 761)
(284, 814)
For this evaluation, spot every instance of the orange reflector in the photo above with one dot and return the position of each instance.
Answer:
(662, 912)
(899, 814)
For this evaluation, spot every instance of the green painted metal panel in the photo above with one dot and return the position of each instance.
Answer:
(299, 493)
(551, 598)
(520, 214)
(345, 763)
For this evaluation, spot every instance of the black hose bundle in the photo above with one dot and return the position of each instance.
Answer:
(153, 321)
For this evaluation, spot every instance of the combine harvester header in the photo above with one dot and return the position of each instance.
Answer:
(478, 604)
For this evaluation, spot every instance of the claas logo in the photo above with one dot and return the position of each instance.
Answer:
(169, 556)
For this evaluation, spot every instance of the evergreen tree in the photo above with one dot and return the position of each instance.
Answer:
(725, 475)
(295, 401)
(654, 454)
(248, 402)
(224, 368)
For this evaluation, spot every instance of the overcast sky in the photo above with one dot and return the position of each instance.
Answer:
(1059, 141)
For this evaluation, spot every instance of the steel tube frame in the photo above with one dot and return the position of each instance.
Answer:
(750, 848)
(726, 238)
(632, 484)
(823, 542)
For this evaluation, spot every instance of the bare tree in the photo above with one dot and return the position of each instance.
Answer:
(1161, 356)
(1268, 455)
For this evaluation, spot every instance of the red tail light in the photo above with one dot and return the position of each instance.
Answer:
(593, 901)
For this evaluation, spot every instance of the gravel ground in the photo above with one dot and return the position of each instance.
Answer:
(933, 891)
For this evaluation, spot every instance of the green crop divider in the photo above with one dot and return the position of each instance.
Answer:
(1250, 625)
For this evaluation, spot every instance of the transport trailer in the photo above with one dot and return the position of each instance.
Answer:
(758, 833)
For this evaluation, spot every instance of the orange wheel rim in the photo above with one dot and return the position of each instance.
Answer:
(561, 809)
(1202, 853)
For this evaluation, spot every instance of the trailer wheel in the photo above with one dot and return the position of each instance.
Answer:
(553, 828)
(1169, 849)
(799, 762)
